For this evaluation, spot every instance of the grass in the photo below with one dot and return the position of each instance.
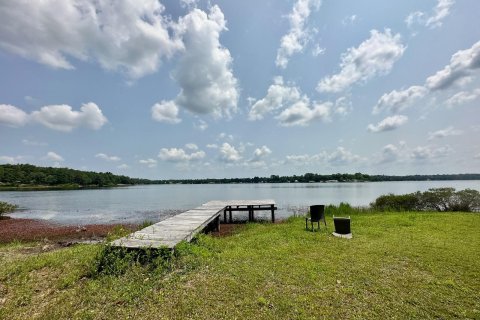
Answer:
(398, 265)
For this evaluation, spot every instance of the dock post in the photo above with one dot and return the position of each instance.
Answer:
(230, 214)
(217, 223)
(225, 215)
(273, 212)
(250, 213)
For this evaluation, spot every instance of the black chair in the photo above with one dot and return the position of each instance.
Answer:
(317, 213)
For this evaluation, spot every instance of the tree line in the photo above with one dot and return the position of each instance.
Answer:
(27, 174)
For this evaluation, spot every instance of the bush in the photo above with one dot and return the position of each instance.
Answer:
(7, 207)
(405, 202)
(435, 199)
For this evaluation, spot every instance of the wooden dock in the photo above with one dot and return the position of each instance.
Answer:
(184, 226)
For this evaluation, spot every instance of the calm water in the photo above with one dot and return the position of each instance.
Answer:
(155, 202)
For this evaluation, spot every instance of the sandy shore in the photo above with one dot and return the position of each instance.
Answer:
(35, 230)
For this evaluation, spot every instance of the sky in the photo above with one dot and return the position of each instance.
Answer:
(194, 89)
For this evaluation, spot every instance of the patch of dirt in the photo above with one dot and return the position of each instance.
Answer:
(228, 229)
(34, 230)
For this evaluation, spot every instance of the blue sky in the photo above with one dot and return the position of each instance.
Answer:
(194, 89)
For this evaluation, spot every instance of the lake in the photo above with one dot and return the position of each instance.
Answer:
(155, 202)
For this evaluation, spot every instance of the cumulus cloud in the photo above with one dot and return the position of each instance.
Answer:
(228, 153)
(375, 56)
(462, 64)
(12, 116)
(201, 125)
(261, 152)
(34, 143)
(447, 132)
(52, 156)
(279, 95)
(151, 163)
(63, 118)
(106, 157)
(204, 72)
(165, 111)
(126, 36)
(462, 97)
(56, 117)
(340, 156)
(297, 109)
(397, 101)
(123, 166)
(318, 51)
(343, 106)
(298, 36)
(180, 155)
(301, 113)
(390, 153)
(387, 124)
(430, 152)
(212, 146)
(191, 146)
(435, 20)
(9, 159)
(349, 20)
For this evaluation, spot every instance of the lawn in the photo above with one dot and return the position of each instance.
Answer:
(398, 265)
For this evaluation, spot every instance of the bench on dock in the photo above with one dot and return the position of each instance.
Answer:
(184, 226)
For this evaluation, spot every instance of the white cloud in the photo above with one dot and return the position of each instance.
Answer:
(477, 156)
(106, 157)
(397, 101)
(441, 11)
(349, 20)
(390, 153)
(63, 118)
(387, 124)
(462, 64)
(462, 97)
(12, 116)
(225, 136)
(298, 36)
(228, 153)
(127, 36)
(261, 152)
(430, 152)
(278, 96)
(151, 163)
(180, 155)
(447, 132)
(375, 56)
(318, 51)
(191, 146)
(34, 143)
(301, 113)
(9, 159)
(56, 117)
(123, 166)
(165, 111)
(52, 156)
(212, 146)
(201, 125)
(342, 156)
(343, 106)
(204, 72)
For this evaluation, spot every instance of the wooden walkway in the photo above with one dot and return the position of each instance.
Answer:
(184, 226)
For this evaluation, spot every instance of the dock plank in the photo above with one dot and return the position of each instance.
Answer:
(183, 226)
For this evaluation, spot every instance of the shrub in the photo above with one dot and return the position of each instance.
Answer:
(405, 202)
(7, 207)
(435, 199)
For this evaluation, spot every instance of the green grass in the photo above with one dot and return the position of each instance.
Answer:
(398, 265)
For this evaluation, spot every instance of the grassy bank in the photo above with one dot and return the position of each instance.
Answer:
(398, 265)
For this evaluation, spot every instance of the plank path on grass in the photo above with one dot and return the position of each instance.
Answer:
(185, 225)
